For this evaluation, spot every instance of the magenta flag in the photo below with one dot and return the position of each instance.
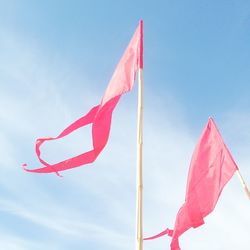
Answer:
(212, 166)
(100, 116)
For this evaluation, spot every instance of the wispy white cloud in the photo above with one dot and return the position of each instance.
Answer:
(10, 242)
(68, 225)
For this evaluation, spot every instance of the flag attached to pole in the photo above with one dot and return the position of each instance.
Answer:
(99, 116)
(212, 166)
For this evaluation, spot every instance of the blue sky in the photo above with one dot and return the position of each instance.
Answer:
(56, 58)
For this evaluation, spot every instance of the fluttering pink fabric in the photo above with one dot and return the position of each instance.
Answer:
(212, 166)
(100, 116)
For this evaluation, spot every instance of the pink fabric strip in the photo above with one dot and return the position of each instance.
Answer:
(100, 116)
(141, 45)
(165, 232)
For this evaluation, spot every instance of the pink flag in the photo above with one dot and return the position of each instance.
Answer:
(100, 116)
(212, 166)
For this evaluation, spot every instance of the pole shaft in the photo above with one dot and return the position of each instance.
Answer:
(243, 183)
(139, 221)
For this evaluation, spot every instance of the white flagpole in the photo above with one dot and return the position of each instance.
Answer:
(139, 221)
(243, 183)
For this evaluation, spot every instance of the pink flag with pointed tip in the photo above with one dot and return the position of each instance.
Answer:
(212, 166)
(100, 116)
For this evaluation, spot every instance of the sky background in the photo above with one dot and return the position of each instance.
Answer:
(56, 58)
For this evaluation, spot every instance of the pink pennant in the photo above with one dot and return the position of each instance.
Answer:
(100, 116)
(212, 166)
